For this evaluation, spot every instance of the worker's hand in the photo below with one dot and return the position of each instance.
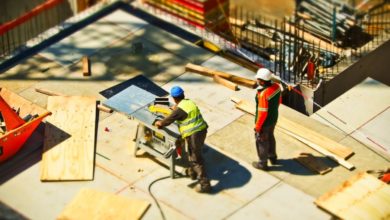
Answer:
(158, 124)
(173, 107)
(260, 136)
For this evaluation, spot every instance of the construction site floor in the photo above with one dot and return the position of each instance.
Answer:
(239, 191)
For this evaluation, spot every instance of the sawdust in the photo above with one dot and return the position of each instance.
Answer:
(270, 8)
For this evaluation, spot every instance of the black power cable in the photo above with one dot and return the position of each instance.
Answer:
(154, 198)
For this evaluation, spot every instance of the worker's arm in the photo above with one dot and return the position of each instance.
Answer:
(262, 112)
(177, 114)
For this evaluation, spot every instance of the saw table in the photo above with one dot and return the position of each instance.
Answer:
(164, 143)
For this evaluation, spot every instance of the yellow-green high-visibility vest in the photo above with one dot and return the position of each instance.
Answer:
(194, 121)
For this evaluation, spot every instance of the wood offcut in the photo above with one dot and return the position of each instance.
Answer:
(312, 163)
(86, 66)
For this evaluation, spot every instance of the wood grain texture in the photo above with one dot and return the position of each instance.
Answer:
(211, 73)
(312, 163)
(359, 198)
(312, 139)
(225, 82)
(86, 66)
(17, 102)
(319, 148)
(95, 205)
(69, 141)
(325, 142)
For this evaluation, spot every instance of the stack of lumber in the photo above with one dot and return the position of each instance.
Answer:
(208, 14)
(324, 145)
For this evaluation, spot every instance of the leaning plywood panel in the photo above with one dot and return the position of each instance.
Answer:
(361, 197)
(95, 205)
(69, 142)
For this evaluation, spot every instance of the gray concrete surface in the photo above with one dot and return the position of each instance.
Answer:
(239, 191)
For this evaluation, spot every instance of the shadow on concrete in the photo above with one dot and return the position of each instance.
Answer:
(294, 167)
(29, 154)
(226, 171)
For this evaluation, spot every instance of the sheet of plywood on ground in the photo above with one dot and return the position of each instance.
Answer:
(69, 141)
(96, 205)
(312, 163)
(314, 137)
(361, 197)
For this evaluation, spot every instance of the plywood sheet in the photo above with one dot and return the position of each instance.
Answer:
(96, 205)
(361, 197)
(69, 141)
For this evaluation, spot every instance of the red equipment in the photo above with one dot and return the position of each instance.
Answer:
(17, 129)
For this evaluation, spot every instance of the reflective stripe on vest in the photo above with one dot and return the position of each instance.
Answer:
(194, 121)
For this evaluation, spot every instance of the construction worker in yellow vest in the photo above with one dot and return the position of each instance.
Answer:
(268, 98)
(193, 128)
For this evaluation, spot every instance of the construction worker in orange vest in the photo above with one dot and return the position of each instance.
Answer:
(193, 128)
(268, 99)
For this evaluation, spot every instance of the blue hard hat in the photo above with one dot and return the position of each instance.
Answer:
(176, 91)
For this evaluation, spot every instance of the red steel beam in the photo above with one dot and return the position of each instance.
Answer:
(27, 16)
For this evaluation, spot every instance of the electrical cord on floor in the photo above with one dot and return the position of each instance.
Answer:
(154, 198)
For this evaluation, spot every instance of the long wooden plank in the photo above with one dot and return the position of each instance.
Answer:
(211, 73)
(69, 142)
(248, 107)
(325, 142)
(359, 198)
(315, 165)
(320, 149)
(95, 205)
(225, 82)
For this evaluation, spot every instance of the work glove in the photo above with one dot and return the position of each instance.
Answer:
(260, 136)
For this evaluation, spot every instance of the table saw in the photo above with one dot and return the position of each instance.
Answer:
(165, 144)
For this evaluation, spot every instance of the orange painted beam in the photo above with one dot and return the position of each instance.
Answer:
(27, 16)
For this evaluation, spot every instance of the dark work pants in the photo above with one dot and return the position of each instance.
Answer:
(195, 144)
(266, 148)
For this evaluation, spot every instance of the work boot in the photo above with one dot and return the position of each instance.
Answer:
(274, 160)
(190, 173)
(203, 188)
(259, 166)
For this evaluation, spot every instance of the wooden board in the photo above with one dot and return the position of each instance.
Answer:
(361, 197)
(69, 141)
(321, 147)
(314, 137)
(325, 142)
(315, 165)
(211, 73)
(95, 205)
(225, 82)
(86, 66)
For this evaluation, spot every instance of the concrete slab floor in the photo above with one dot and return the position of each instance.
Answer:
(239, 191)
(290, 171)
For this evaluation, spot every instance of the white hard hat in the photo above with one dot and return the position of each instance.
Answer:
(264, 74)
